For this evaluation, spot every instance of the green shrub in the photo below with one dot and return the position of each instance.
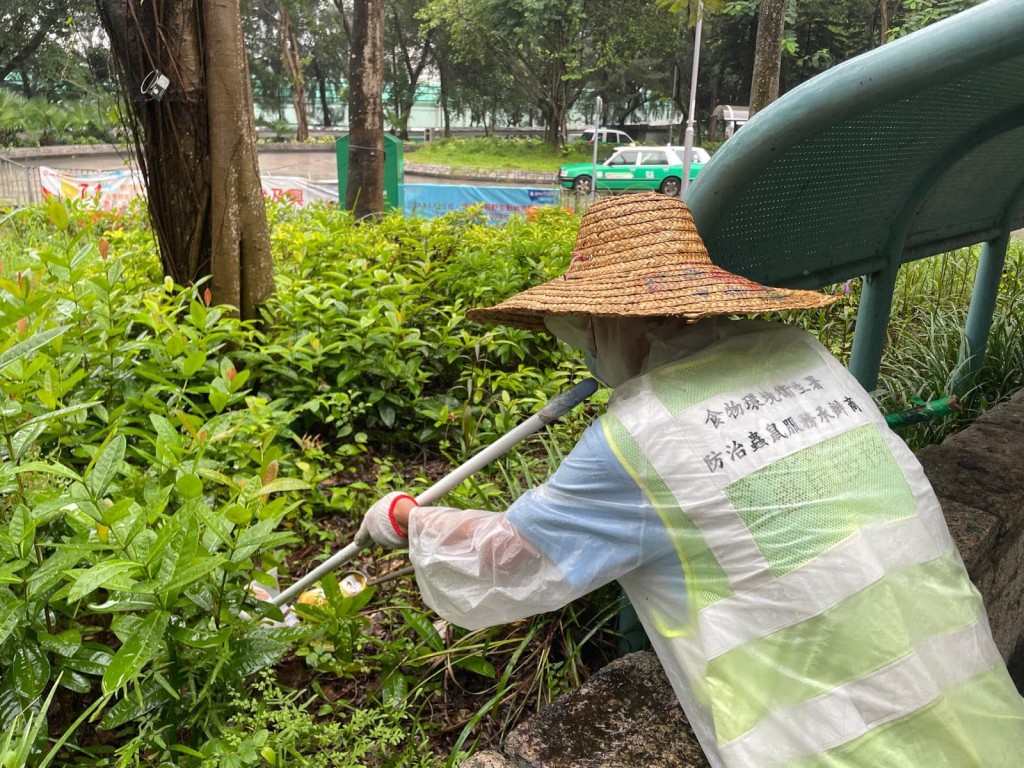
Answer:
(139, 492)
(366, 339)
(274, 727)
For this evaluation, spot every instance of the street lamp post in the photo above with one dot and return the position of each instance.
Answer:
(688, 137)
(597, 140)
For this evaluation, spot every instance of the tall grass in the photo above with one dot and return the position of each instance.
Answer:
(925, 337)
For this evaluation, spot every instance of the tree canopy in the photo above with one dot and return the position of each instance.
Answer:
(545, 60)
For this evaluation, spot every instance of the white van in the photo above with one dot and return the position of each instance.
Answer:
(607, 136)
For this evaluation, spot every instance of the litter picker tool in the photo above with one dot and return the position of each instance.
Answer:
(551, 412)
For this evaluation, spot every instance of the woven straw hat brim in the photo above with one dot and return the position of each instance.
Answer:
(641, 256)
(712, 293)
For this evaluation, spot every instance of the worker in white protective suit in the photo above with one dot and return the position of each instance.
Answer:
(782, 547)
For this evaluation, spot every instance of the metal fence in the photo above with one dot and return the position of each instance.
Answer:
(19, 184)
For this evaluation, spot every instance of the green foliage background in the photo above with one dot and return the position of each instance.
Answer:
(158, 456)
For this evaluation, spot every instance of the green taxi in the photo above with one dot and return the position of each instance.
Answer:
(634, 169)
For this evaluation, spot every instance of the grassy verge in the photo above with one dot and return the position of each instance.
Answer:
(501, 154)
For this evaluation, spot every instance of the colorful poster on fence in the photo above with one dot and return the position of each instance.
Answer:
(106, 189)
(499, 203)
(295, 189)
(115, 189)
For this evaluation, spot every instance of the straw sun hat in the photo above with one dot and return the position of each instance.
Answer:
(640, 256)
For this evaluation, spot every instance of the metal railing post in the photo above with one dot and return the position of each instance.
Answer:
(872, 324)
(981, 311)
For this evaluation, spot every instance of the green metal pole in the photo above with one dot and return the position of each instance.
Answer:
(979, 316)
(872, 324)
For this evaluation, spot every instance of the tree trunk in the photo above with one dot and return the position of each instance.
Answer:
(291, 57)
(764, 86)
(554, 120)
(364, 190)
(883, 7)
(321, 89)
(444, 78)
(196, 146)
(26, 85)
(241, 263)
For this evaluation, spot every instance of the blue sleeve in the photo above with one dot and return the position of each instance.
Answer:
(590, 518)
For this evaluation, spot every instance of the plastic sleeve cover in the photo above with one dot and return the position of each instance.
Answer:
(586, 526)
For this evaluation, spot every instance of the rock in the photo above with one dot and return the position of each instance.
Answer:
(625, 716)
(486, 759)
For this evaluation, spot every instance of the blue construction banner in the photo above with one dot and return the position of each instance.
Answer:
(429, 201)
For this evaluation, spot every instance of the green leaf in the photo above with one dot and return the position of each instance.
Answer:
(91, 659)
(175, 345)
(284, 484)
(197, 638)
(52, 469)
(394, 689)
(66, 643)
(260, 535)
(255, 652)
(98, 576)
(238, 381)
(477, 664)
(197, 313)
(168, 438)
(194, 362)
(238, 514)
(11, 614)
(31, 669)
(24, 438)
(74, 681)
(21, 529)
(9, 575)
(105, 467)
(138, 650)
(187, 751)
(424, 628)
(28, 346)
(218, 400)
(129, 603)
(177, 543)
(189, 486)
(57, 213)
(186, 576)
(144, 698)
(60, 413)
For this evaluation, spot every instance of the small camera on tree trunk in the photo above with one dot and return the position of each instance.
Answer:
(155, 85)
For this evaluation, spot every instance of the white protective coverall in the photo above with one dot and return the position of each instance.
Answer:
(782, 547)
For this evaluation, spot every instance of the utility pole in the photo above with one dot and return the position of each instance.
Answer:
(688, 138)
(597, 140)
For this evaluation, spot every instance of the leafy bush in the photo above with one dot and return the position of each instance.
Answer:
(287, 728)
(138, 494)
(151, 453)
(366, 338)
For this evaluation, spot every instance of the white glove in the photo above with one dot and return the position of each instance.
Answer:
(379, 524)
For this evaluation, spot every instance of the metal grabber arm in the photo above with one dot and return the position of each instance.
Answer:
(552, 411)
